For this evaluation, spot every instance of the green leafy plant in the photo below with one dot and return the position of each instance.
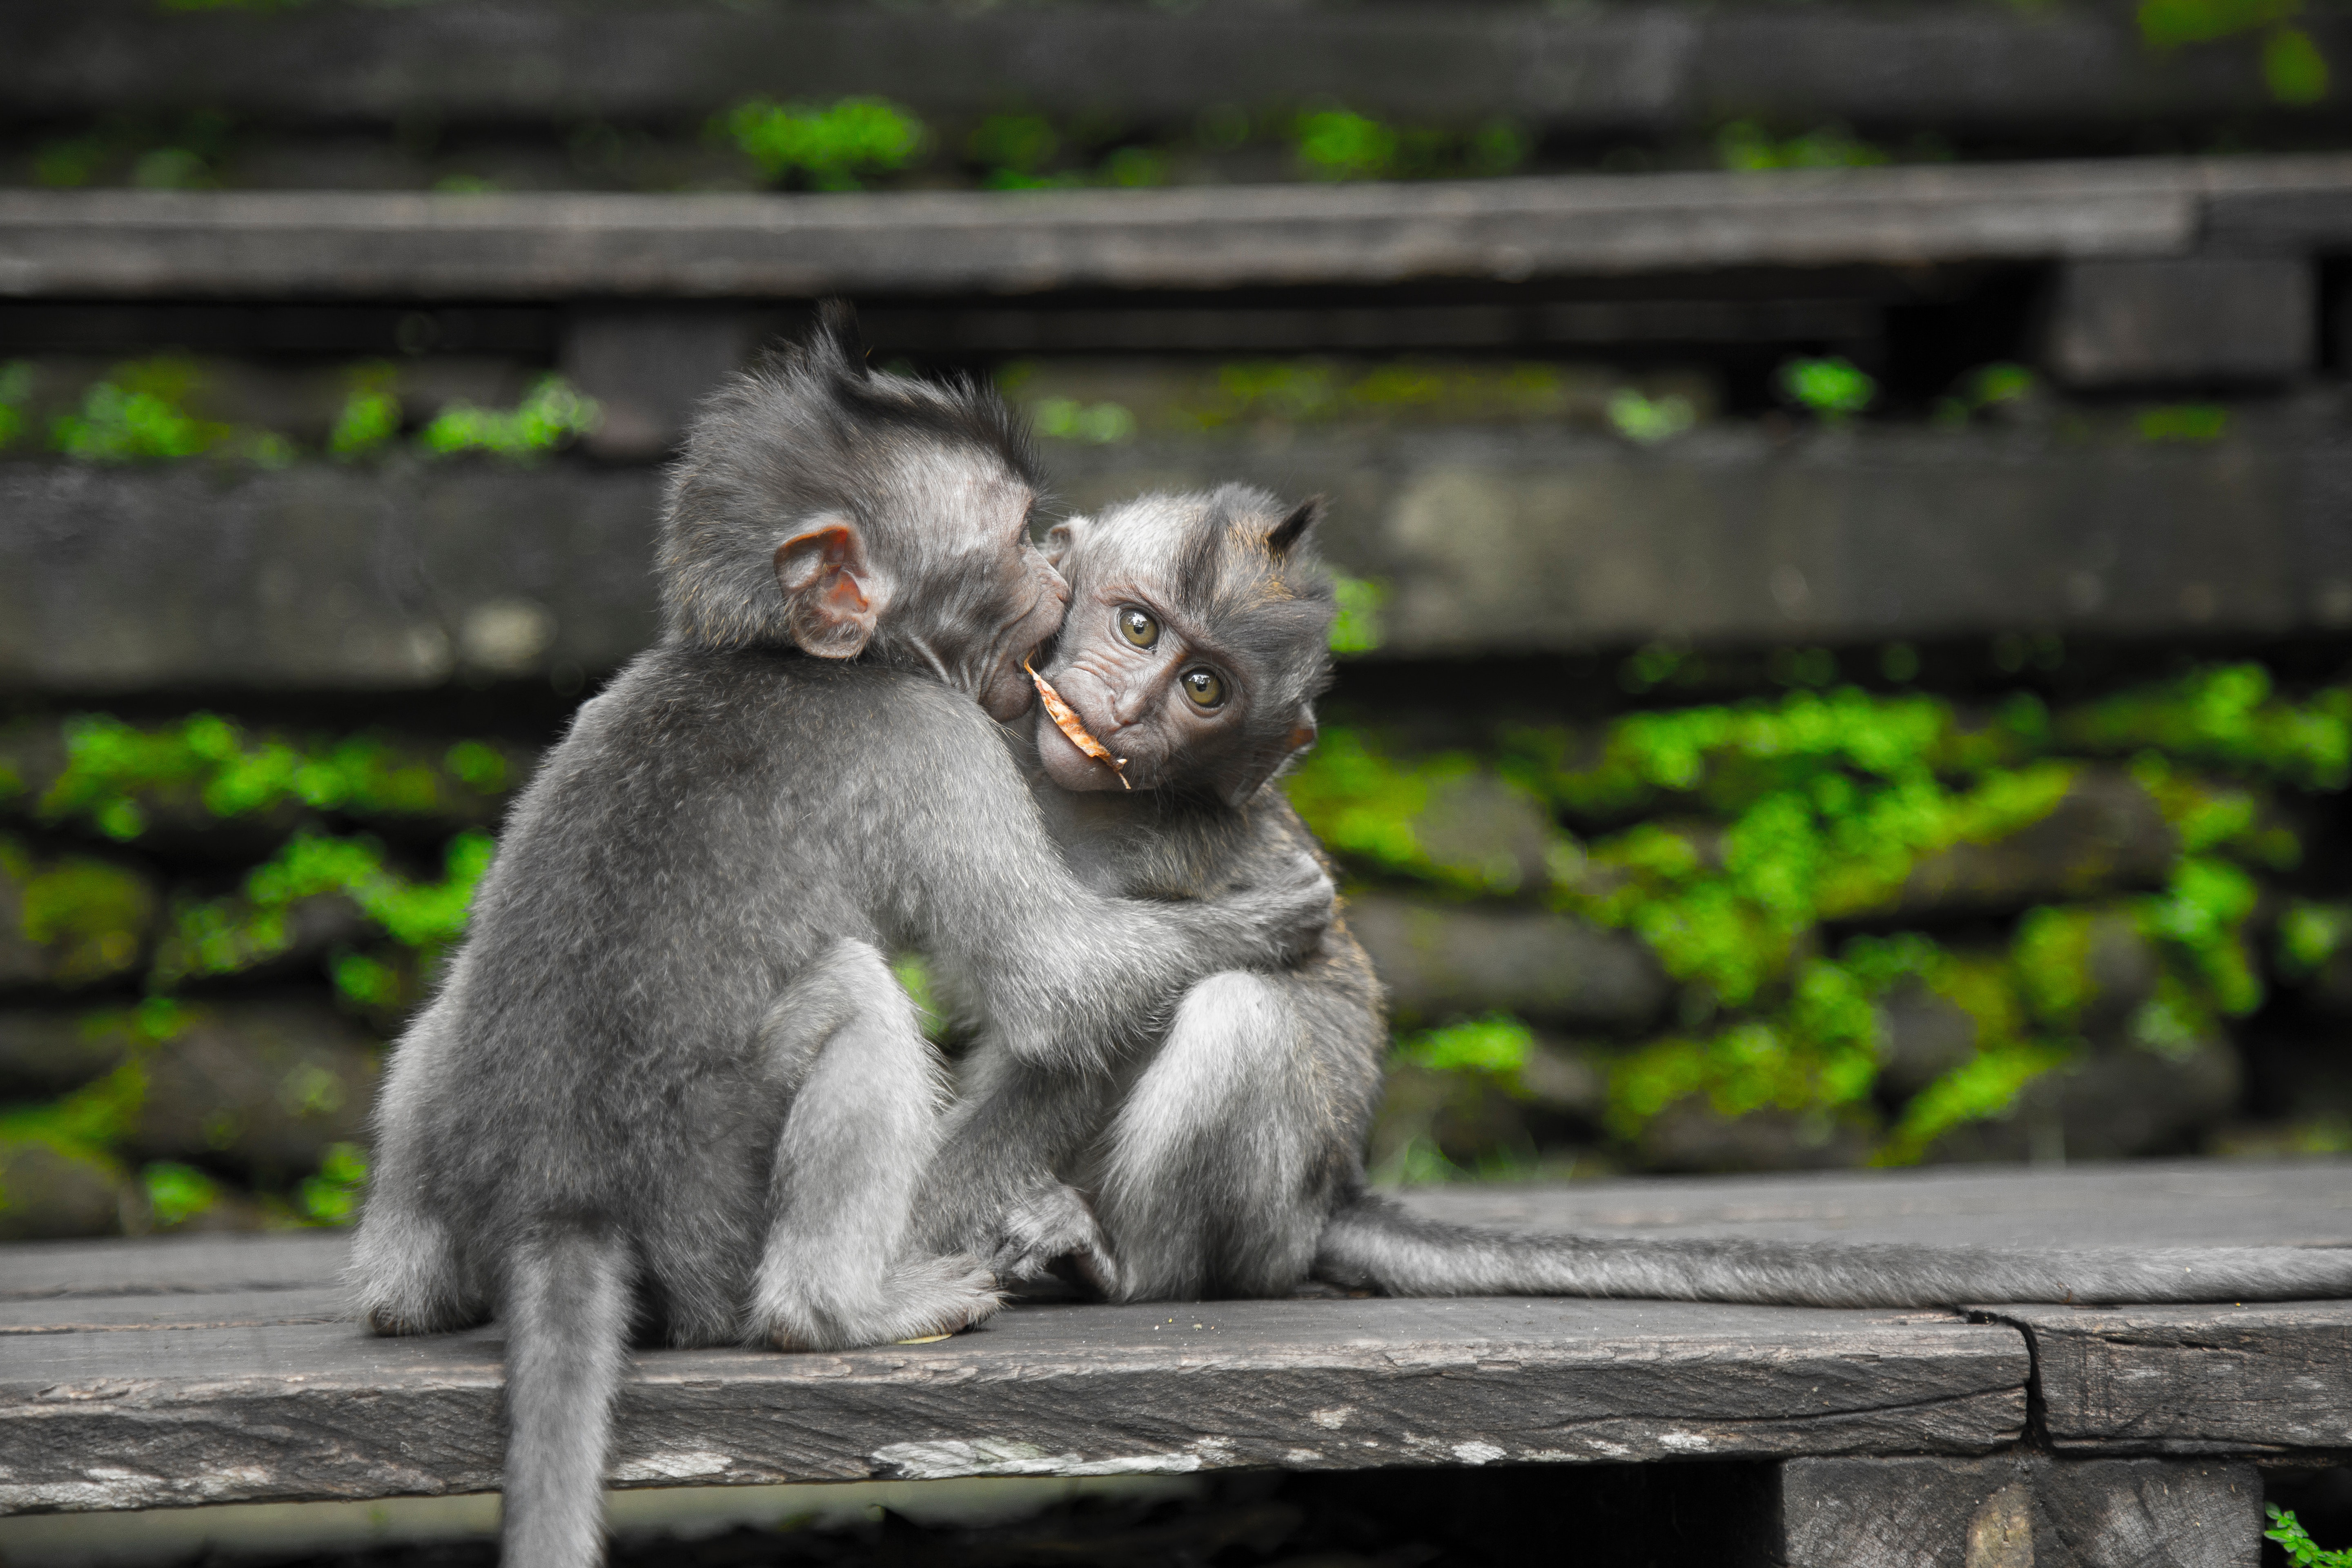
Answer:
(2300, 1549)
(551, 415)
(831, 148)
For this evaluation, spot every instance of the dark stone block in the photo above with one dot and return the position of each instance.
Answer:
(2192, 320)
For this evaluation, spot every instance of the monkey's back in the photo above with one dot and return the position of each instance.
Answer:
(692, 843)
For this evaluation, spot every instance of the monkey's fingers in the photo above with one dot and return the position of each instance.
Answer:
(1065, 720)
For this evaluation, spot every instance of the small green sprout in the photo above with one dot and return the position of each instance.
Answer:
(1834, 389)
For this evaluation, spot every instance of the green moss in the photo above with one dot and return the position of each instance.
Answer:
(224, 936)
(177, 1193)
(1497, 1044)
(116, 772)
(551, 415)
(1745, 144)
(331, 1198)
(832, 147)
(1831, 389)
(1358, 628)
(371, 413)
(92, 916)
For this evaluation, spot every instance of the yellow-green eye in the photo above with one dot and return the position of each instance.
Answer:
(1206, 687)
(1138, 628)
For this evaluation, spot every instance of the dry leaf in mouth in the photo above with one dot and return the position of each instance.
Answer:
(1066, 722)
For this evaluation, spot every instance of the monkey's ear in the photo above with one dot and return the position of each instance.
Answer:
(1293, 527)
(1061, 539)
(832, 592)
(1302, 733)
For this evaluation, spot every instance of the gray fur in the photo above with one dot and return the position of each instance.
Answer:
(1225, 1158)
(668, 1082)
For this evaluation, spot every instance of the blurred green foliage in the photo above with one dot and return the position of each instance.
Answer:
(97, 918)
(1833, 389)
(829, 148)
(1340, 144)
(1745, 144)
(551, 415)
(2184, 424)
(1761, 850)
(2294, 69)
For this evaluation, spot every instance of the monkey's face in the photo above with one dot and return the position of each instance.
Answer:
(1184, 652)
(973, 597)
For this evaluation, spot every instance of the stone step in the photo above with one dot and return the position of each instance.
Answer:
(1637, 71)
(1488, 540)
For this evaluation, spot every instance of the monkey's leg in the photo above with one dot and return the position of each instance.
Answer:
(1212, 1179)
(406, 1274)
(836, 1270)
(993, 1191)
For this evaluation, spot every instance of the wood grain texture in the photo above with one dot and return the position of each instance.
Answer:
(2193, 1380)
(554, 245)
(2022, 1511)
(230, 1407)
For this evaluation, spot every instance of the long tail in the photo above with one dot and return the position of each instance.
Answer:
(567, 1308)
(1372, 1242)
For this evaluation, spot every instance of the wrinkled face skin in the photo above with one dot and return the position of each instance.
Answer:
(972, 596)
(1148, 682)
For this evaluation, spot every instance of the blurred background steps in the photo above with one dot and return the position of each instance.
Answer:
(1844, 516)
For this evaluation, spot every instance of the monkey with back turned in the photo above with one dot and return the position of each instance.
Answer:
(670, 1090)
(1225, 1159)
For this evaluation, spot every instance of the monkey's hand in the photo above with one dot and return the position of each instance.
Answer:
(1049, 1232)
(1290, 909)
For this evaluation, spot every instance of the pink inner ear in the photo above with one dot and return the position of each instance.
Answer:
(844, 593)
(1301, 735)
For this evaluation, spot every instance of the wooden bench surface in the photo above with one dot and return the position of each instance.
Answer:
(137, 1374)
(552, 245)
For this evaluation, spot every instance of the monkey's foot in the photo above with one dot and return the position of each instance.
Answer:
(1048, 1225)
(922, 1298)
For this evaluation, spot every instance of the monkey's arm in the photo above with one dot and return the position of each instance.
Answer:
(1062, 973)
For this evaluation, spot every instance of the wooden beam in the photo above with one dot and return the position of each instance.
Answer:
(241, 1396)
(2193, 1380)
(131, 244)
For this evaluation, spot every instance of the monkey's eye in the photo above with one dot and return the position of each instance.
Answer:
(1206, 687)
(1138, 628)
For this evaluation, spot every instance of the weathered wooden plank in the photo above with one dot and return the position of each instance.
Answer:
(2193, 1380)
(128, 1419)
(1492, 540)
(549, 245)
(2152, 1203)
(180, 1310)
(2015, 1510)
(174, 1265)
(1638, 69)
